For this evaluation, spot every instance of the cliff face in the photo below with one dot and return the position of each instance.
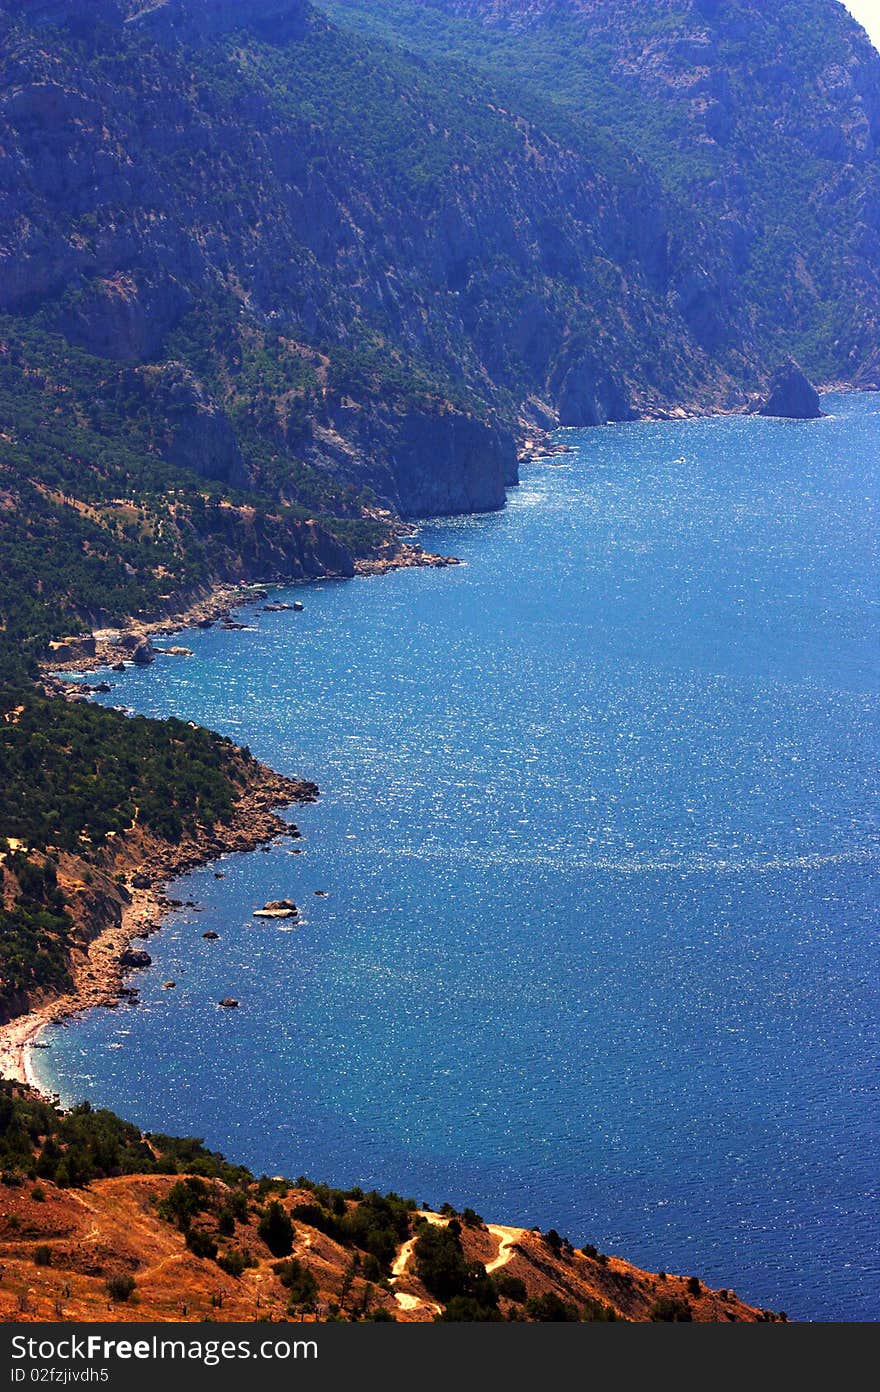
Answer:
(312, 225)
(791, 394)
(427, 460)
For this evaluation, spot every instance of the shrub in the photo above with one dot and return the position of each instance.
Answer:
(377, 1225)
(298, 1280)
(233, 1262)
(235, 1206)
(314, 1216)
(464, 1309)
(183, 1201)
(551, 1309)
(42, 1255)
(121, 1288)
(470, 1219)
(670, 1310)
(693, 1285)
(510, 1287)
(201, 1244)
(441, 1265)
(276, 1230)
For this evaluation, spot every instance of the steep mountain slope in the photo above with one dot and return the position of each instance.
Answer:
(409, 261)
(764, 117)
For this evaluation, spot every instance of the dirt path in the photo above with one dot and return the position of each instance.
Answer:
(401, 1261)
(508, 1238)
(406, 1299)
(507, 1241)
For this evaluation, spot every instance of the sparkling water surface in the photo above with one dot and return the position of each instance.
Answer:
(597, 830)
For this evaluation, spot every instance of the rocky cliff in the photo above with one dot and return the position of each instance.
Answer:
(355, 258)
(297, 278)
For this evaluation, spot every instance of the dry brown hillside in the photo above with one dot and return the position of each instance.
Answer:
(61, 1250)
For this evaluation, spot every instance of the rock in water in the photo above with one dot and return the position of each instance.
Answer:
(130, 959)
(791, 394)
(277, 908)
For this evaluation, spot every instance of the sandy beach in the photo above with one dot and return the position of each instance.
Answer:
(97, 980)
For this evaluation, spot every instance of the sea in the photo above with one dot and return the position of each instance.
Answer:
(596, 946)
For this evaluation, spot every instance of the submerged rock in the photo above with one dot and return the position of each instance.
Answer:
(791, 394)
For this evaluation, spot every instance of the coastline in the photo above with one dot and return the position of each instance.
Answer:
(98, 975)
(205, 608)
(97, 972)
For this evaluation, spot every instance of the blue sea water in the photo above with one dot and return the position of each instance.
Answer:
(598, 835)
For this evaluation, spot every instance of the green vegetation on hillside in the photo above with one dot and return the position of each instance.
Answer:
(37, 1141)
(751, 131)
(73, 773)
(73, 776)
(95, 523)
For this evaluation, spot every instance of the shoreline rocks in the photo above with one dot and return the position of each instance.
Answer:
(132, 959)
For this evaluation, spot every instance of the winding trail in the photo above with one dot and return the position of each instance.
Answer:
(405, 1299)
(507, 1242)
(508, 1238)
